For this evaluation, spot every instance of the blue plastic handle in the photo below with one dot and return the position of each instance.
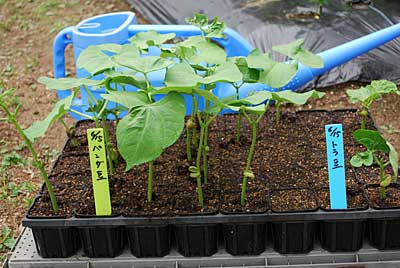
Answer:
(61, 41)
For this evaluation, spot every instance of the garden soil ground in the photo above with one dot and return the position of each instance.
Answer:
(27, 29)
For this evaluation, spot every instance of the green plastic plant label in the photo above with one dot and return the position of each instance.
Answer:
(336, 166)
(98, 166)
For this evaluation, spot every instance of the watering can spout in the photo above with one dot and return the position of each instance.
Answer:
(341, 54)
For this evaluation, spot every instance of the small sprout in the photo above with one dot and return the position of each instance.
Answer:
(376, 144)
(320, 4)
(368, 94)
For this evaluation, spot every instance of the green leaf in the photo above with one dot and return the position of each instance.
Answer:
(371, 139)
(279, 75)
(126, 79)
(295, 51)
(362, 158)
(296, 98)
(126, 98)
(209, 96)
(291, 49)
(67, 83)
(94, 60)
(144, 40)
(215, 29)
(181, 75)
(307, 58)
(250, 75)
(258, 60)
(206, 51)
(368, 94)
(228, 72)
(144, 64)
(198, 20)
(147, 130)
(394, 160)
(39, 128)
(166, 90)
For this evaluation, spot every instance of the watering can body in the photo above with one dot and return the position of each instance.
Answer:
(119, 27)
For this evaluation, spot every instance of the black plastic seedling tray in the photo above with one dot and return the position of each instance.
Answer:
(203, 235)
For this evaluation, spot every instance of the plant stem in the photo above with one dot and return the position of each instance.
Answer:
(249, 158)
(150, 183)
(70, 133)
(381, 175)
(364, 118)
(278, 112)
(108, 144)
(193, 115)
(36, 160)
(81, 114)
(188, 145)
(198, 158)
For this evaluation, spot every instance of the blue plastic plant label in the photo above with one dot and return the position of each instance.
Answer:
(336, 166)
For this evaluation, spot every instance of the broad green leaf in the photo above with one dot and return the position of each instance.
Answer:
(394, 160)
(279, 75)
(206, 51)
(307, 58)
(144, 40)
(295, 51)
(258, 109)
(166, 90)
(366, 95)
(253, 99)
(128, 51)
(123, 72)
(362, 158)
(147, 130)
(228, 72)
(113, 48)
(295, 97)
(181, 75)
(258, 60)
(39, 128)
(291, 49)
(126, 98)
(67, 83)
(209, 96)
(250, 75)
(126, 80)
(371, 139)
(144, 64)
(94, 60)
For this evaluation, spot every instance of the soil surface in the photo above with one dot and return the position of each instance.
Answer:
(289, 165)
(27, 29)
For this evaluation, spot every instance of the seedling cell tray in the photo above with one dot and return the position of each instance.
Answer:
(205, 235)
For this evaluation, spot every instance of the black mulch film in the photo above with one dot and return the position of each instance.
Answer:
(265, 23)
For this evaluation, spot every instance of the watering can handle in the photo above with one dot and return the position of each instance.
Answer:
(61, 41)
(234, 44)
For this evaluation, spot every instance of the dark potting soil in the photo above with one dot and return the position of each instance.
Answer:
(392, 196)
(356, 199)
(291, 154)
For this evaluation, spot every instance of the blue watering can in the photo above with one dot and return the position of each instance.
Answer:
(119, 27)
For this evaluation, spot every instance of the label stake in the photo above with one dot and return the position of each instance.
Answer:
(336, 166)
(98, 166)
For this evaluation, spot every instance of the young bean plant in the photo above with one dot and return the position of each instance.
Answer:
(11, 117)
(367, 95)
(376, 145)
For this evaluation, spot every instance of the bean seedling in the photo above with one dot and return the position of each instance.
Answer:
(375, 145)
(11, 117)
(370, 93)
